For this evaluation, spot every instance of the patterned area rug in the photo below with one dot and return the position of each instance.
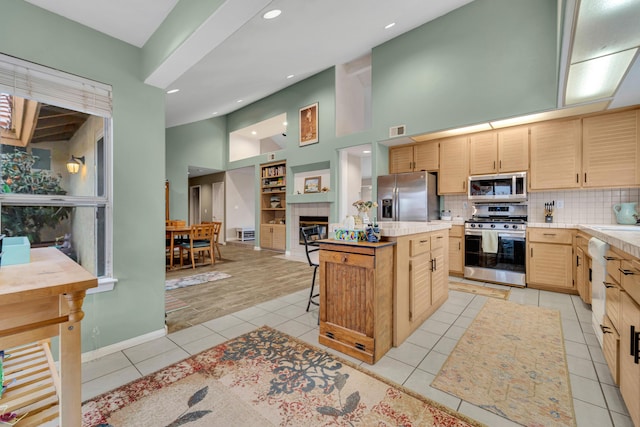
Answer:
(196, 279)
(172, 303)
(265, 378)
(511, 361)
(480, 290)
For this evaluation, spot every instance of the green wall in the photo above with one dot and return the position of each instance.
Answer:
(200, 144)
(487, 60)
(136, 305)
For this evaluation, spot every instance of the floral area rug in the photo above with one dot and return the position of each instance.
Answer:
(196, 279)
(265, 378)
(511, 361)
(479, 290)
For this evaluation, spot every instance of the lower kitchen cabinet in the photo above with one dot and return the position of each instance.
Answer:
(456, 250)
(422, 279)
(356, 298)
(630, 355)
(583, 267)
(549, 259)
(611, 348)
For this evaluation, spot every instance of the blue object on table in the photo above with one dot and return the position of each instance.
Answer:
(15, 250)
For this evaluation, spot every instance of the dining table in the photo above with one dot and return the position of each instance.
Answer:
(172, 232)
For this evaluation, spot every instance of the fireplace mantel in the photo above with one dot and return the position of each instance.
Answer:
(328, 197)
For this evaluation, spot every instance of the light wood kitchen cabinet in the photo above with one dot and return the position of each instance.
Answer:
(583, 267)
(611, 348)
(424, 156)
(499, 151)
(454, 165)
(422, 279)
(273, 236)
(555, 155)
(356, 298)
(456, 250)
(611, 150)
(549, 259)
(630, 356)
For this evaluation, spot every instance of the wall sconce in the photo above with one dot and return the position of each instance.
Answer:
(73, 165)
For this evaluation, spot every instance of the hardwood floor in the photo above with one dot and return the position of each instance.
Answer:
(256, 276)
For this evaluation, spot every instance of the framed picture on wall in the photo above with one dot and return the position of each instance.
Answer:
(312, 184)
(308, 124)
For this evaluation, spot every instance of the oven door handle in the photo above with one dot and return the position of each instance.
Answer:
(513, 235)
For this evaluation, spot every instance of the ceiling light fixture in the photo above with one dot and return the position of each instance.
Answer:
(73, 165)
(605, 42)
(173, 91)
(253, 132)
(239, 101)
(386, 27)
(274, 13)
(366, 151)
(290, 76)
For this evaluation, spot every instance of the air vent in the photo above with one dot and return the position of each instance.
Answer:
(271, 156)
(399, 130)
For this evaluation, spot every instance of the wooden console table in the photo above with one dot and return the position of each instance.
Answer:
(40, 300)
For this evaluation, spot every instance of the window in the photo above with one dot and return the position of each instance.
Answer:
(47, 119)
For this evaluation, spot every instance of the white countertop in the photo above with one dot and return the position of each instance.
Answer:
(623, 237)
(404, 228)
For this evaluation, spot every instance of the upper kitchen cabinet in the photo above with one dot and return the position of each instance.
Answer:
(555, 155)
(499, 151)
(611, 150)
(416, 157)
(454, 165)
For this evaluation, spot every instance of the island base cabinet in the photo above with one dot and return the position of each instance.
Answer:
(356, 299)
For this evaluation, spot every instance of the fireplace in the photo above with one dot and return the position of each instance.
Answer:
(320, 221)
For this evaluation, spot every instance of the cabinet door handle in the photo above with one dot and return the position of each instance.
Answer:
(577, 261)
(500, 164)
(608, 285)
(494, 165)
(439, 237)
(636, 352)
(585, 177)
(424, 241)
(548, 234)
(577, 178)
(433, 266)
(345, 258)
(626, 272)
(459, 246)
(531, 252)
(605, 329)
(610, 258)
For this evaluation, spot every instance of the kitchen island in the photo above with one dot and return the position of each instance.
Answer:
(374, 295)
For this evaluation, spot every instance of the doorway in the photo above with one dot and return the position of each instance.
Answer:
(194, 205)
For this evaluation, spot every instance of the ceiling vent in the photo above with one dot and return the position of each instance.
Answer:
(399, 130)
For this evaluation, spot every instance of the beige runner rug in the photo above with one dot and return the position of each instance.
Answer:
(511, 361)
(480, 290)
(266, 378)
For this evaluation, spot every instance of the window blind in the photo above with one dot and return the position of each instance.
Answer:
(43, 84)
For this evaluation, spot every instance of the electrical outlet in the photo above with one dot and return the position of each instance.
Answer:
(560, 204)
(464, 205)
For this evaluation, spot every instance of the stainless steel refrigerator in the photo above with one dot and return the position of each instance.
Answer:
(407, 197)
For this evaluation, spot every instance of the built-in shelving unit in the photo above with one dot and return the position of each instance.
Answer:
(273, 205)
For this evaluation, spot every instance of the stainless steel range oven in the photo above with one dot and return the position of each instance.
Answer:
(495, 246)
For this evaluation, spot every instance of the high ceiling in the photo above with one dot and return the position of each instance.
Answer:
(235, 57)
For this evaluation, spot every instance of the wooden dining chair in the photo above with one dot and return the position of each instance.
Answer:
(201, 239)
(217, 226)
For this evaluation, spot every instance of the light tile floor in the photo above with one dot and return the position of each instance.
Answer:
(597, 401)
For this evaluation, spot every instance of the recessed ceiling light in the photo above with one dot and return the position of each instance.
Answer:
(290, 76)
(386, 27)
(366, 151)
(284, 123)
(239, 100)
(173, 91)
(214, 113)
(274, 13)
(253, 132)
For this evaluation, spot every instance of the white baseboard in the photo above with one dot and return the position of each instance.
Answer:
(123, 345)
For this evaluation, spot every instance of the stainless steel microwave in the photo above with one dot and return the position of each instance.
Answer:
(511, 187)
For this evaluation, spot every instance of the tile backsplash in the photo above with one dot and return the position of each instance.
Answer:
(578, 206)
